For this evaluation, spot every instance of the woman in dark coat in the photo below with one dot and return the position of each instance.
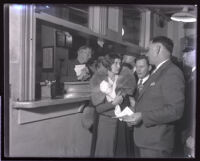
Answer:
(106, 103)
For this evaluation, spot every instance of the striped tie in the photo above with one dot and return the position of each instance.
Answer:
(140, 85)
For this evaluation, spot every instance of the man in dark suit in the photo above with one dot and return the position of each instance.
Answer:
(159, 104)
(68, 73)
(143, 69)
(188, 121)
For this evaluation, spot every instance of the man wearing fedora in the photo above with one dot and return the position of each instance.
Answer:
(159, 104)
(188, 120)
(185, 128)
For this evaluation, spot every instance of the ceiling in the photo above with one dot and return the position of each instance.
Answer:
(168, 10)
(164, 10)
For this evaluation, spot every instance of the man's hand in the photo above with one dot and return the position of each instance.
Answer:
(190, 142)
(84, 74)
(133, 119)
(132, 103)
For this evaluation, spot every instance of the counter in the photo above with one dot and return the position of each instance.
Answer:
(50, 128)
(66, 99)
(31, 111)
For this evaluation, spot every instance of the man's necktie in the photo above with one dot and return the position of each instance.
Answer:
(140, 85)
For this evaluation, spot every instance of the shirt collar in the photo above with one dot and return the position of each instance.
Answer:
(193, 69)
(144, 79)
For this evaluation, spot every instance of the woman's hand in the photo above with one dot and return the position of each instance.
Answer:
(118, 100)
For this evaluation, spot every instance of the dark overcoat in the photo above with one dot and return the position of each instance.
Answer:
(161, 103)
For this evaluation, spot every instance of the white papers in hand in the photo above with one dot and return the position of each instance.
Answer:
(117, 110)
(105, 87)
(125, 112)
(78, 69)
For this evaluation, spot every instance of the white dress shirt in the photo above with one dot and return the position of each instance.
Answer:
(143, 79)
(193, 69)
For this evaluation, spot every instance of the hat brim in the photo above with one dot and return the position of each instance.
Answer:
(188, 49)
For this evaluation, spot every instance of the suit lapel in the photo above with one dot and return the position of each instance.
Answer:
(153, 78)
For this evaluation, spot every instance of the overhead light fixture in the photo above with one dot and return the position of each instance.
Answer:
(18, 6)
(183, 16)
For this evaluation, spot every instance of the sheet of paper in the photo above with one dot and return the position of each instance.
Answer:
(105, 87)
(126, 111)
(78, 69)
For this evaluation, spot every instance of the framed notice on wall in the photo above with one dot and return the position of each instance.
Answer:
(48, 58)
(60, 39)
(63, 39)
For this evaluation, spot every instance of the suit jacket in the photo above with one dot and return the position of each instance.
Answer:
(125, 85)
(161, 103)
(188, 121)
(68, 73)
(191, 103)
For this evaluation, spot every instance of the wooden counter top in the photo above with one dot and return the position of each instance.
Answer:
(69, 98)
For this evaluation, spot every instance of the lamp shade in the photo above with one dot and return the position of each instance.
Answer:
(183, 16)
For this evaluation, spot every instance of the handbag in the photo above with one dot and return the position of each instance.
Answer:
(88, 117)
